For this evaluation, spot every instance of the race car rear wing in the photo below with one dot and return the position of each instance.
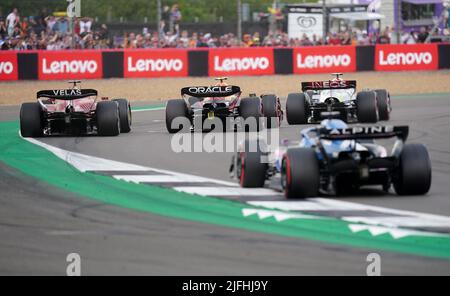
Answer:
(210, 91)
(67, 94)
(366, 132)
(331, 84)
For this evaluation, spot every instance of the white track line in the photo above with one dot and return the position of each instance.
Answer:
(389, 218)
(225, 191)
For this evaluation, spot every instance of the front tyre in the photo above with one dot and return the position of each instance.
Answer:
(366, 107)
(300, 175)
(108, 120)
(250, 110)
(251, 167)
(383, 104)
(297, 110)
(175, 109)
(124, 115)
(31, 124)
(270, 111)
(414, 171)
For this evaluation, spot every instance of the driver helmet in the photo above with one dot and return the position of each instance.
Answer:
(331, 124)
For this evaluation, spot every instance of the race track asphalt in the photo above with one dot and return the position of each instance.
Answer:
(40, 225)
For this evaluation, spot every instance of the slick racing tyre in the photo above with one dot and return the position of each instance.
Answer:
(297, 109)
(252, 171)
(250, 110)
(366, 107)
(300, 176)
(108, 120)
(270, 111)
(383, 104)
(31, 120)
(124, 115)
(175, 109)
(414, 171)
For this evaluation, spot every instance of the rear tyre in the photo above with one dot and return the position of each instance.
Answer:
(297, 110)
(300, 176)
(124, 115)
(270, 111)
(252, 169)
(383, 104)
(251, 108)
(414, 171)
(108, 120)
(175, 109)
(31, 124)
(366, 107)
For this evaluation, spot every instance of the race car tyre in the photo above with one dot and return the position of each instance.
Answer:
(175, 109)
(124, 115)
(31, 120)
(252, 169)
(108, 120)
(251, 108)
(366, 107)
(414, 171)
(300, 176)
(270, 111)
(383, 104)
(297, 109)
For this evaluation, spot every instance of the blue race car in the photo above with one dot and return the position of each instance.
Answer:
(336, 159)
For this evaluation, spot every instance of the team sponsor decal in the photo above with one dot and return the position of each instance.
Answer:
(406, 57)
(70, 65)
(237, 61)
(8, 66)
(324, 59)
(155, 63)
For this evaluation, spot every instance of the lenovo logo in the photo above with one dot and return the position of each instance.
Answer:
(69, 67)
(323, 61)
(6, 68)
(154, 65)
(409, 58)
(241, 64)
(400, 57)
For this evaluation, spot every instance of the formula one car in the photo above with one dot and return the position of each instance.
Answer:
(74, 111)
(337, 98)
(335, 159)
(202, 105)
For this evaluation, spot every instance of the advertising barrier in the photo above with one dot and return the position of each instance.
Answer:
(389, 57)
(241, 61)
(149, 63)
(70, 65)
(8, 66)
(155, 63)
(324, 59)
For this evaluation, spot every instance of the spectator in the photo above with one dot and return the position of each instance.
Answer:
(50, 21)
(175, 17)
(408, 38)
(423, 35)
(12, 21)
(333, 39)
(85, 25)
(3, 30)
(61, 26)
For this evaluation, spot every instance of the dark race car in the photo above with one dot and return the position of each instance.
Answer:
(204, 105)
(74, 111)
(336, 159)
(337, 98)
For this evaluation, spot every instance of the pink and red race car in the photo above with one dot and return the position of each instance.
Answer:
(74, 111)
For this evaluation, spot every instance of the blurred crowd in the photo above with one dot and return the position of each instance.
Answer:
(49, 32)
